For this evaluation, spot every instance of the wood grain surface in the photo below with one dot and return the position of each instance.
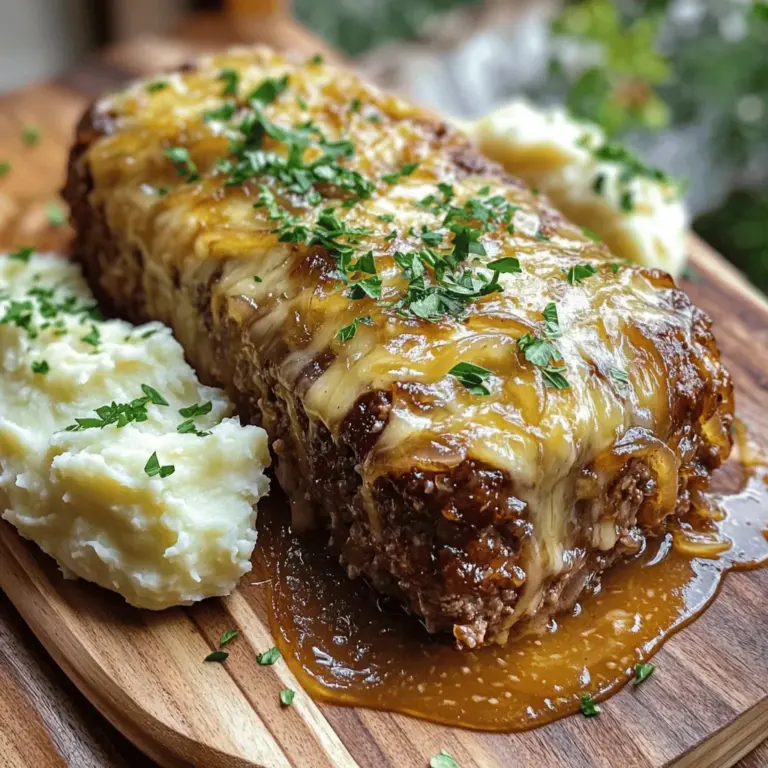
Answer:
(707, 705)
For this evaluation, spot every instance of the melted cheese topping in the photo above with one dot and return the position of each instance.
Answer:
(205, 232)
(84, 496)
(643, 220)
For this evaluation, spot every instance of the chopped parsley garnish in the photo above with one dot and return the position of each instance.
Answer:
(93, 337)
(20, 314)
(631, 164)
(443, 760)
(551, 320)
(55, 215)
(388, 217)
(268, 658)
(5, 167)
(217, 656)
(373, 119)
(316, 59)
(225, 112)
(643, 672)
(154, 396)
(618, 375)
(579, 272)
(230, 634)
(286, 697)
(231, 80)
(158, 85)
(614, 267)
(354, 105)
(121, 414)
(348, 331)
(269, 90)
(540, 236)
(598, 185)
(302, 104)
(198, 409)
(588, 706)
(508, 264)
(30, 136)
(153, 467)
(40, 367)
(472, 377)
(627, 203)
(23, 254)
(405, 170)
(182, 162)
(257, 279)
(543, 353)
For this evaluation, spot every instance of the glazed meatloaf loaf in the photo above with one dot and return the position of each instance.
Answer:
(482, 405)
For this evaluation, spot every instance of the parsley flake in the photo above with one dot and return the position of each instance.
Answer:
(153, 467)
(286, 697)
(348, 331)
(217, 656)
(30, 136)
(579, 272)
(508, 264)
(643, 672)
(5, 167)
(230, 634)
(551, 319)
(154, 396)
(198, 409)
(316, 59)
(23, 254)
(93, 337)
(588, 706)
(55, 214)
(231, 80)
(268, 658)
(405, 170)
(618, 375)
(182, 162)
(158, 85)
(40, 367)
(269, 90)
(472, 377)
(443, 760)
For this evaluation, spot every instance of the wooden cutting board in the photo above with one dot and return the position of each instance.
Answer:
(706, 706)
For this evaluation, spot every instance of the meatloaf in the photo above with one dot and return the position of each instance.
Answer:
(484, 407)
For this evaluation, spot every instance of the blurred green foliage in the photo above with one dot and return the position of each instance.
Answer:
(354, 26)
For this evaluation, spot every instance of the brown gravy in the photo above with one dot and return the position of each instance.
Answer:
(348, 645)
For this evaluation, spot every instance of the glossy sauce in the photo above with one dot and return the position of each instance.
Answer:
(348, 645)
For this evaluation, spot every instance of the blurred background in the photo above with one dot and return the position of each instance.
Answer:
(684, 82)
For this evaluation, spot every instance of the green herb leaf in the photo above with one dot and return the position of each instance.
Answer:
(152, 467)
(93, 337)
(579, 272)
(316, 59)
(257, 279)
(217, 656)
(55, 214)
(5, 167)
(405, 170)
(349, 331)
(40, 367)
(614, 267)
(158, 85)
(551, 319)
(354, 105)
(472, 377)
(286, 697)
(23, 254)
(555, 377)
(230, 634)
(588, 706)
(627, 203)
(388, 217)
(268, 658)
(231, 80)
(618, 375)
(591, 235)
(154, 396)
(182, 162)
(198, 409)
(507, 264)
(443, 760)
(30, 136)
(643, 672)
(269, 90)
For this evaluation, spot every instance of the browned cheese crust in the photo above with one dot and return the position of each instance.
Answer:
(485, 501)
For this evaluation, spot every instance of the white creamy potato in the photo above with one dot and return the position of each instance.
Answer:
(635, 209)
(152, 496)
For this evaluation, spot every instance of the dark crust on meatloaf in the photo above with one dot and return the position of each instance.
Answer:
(449, 542)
